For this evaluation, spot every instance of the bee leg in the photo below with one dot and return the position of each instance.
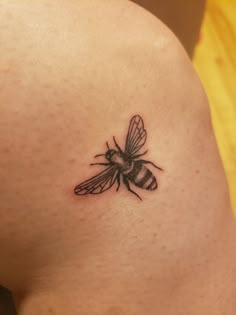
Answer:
(106, 164)
(148, 162)
(126, 182)
(118, 181)
(116, 144)
(97, 155)
(138, 155)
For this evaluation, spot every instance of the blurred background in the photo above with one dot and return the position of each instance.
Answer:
(215, 61)
(208, 33)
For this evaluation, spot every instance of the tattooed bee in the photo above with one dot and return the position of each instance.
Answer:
(123, 164)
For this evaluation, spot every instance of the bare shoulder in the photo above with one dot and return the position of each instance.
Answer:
(97, 54)
(75, 73)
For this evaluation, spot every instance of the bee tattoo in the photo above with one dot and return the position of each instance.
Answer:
(123, 164)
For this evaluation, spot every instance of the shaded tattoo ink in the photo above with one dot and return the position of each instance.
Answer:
(124, 165)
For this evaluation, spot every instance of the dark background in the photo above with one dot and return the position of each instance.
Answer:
(6, 303)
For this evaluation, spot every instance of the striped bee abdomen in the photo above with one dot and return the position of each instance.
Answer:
(142, 177)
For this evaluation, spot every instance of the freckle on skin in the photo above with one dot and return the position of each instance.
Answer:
(114, 310)
(72, 161)
(154, 236)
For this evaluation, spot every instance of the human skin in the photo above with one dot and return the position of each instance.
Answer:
(72, 74)
(183, 17)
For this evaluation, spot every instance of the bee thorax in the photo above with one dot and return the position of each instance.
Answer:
(117, 158)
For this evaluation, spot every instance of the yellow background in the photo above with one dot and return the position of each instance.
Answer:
(215, 61)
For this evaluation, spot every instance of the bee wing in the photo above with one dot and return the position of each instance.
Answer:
(99, 183)
(136, 136)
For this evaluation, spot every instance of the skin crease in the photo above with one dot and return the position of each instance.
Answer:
(71, 77)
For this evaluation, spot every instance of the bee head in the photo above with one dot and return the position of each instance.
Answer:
(109, 154)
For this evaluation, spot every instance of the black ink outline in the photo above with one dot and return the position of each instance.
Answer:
(135, 140)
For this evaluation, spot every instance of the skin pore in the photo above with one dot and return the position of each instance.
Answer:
(72, 74)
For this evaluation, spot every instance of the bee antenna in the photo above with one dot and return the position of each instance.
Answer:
(107, 145)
